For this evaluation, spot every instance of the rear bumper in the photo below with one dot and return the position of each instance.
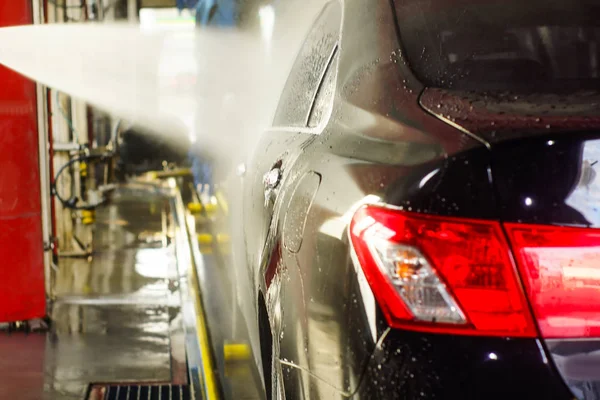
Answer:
(578, 362)
(410, 365)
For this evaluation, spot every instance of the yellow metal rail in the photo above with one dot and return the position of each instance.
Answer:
(210, 383)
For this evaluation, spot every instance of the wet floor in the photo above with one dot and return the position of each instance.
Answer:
(129, 314)
(116, 316)
(240, 380)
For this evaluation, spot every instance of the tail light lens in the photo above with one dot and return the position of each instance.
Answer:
(561, 270)
(440, 274)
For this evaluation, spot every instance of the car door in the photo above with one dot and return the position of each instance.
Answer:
(267, 175)
(271, 174)
(287, 185)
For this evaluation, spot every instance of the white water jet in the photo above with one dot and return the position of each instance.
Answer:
(218, 86)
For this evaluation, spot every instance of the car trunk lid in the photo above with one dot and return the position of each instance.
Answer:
(501, 116)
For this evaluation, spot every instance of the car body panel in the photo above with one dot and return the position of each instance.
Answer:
(568, 192)
(411, 365)
(555, 183)
(578, 363)
(375, 125)
(497, 117)
(384, 139)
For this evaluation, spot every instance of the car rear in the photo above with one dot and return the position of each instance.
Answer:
(499, 297)
(499, 307)
(449, 289)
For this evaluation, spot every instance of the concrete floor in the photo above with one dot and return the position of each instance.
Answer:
(116, 318)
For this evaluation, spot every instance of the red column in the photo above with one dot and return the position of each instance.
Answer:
(22, 293)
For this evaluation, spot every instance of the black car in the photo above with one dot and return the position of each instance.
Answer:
(421, 221)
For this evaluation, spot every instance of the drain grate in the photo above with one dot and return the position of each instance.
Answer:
(141, 392)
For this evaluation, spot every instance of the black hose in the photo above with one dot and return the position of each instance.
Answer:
(71, 203)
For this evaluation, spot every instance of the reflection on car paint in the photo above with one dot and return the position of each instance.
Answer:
(585, 197)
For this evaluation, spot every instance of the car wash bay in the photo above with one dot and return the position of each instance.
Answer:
(129, 318)
(116, 318)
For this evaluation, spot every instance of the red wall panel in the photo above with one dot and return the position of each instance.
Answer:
(22, 293)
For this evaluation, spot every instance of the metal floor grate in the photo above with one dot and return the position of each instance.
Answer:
(141, 392)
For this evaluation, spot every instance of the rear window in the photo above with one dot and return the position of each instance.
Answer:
(502, 44)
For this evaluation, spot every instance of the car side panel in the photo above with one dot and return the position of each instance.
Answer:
(377, 136)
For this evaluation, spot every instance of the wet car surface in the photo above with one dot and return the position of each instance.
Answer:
(404, 131)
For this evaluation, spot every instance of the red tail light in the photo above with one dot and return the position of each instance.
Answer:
(440, 274)
(561, 269)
